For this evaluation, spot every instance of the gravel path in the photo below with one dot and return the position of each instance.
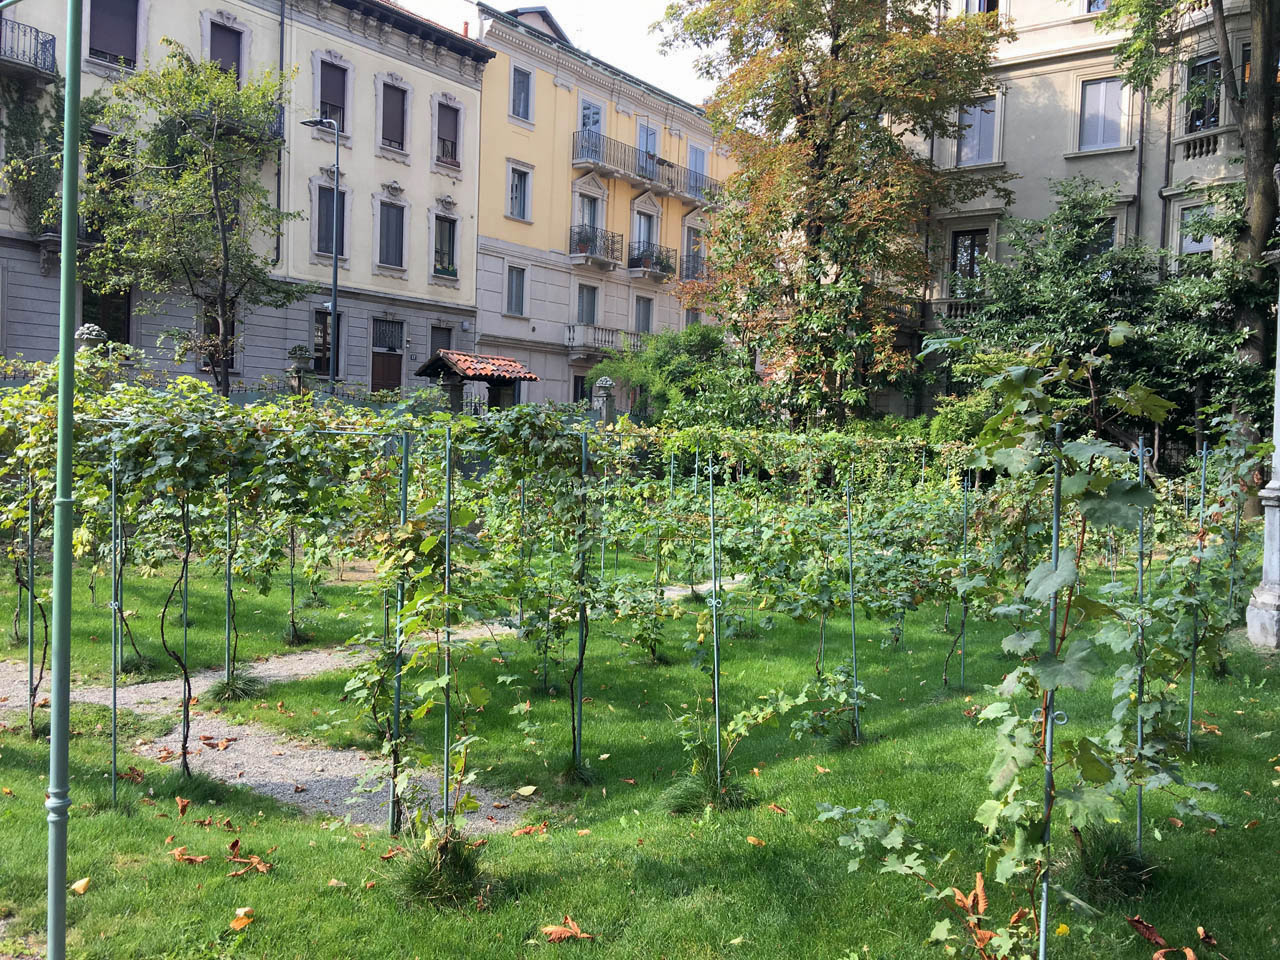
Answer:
(316, 778)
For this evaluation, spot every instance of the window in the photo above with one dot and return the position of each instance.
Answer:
(521, 94)
(446, 264)
(590, 210)
(1203, 76)
(224, 47)
(390, 234)
(1096, 6)
(447, 135)
(587, 304)
(692, 317)
(393, 114)
(580, 391)
(644, 314)
(515, 291)
(697, 170)
(967, 247)
(981, 6)
(1101, 110)
(322, 338)
(518, 194)
(388, 334)
(113, 31)
(1246, 55)
(977, 141)
(647, 150)
(644, 227)
(441, 339)
(333, 93)
(324, 221)
(1189, 241)
(1103, 241)
(110, 311)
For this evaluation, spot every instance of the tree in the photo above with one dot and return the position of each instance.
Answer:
(817, 257)
(689, 377)
(1070, 292)
(1158, 37)
(177, 200)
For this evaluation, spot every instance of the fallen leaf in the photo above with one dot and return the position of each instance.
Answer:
(1187, 953)
(821, 769)
(569, 931)
(299, 788)
(133, 775)
(180, 854)
(6, 791)
(755, 771)
(182, 806)
(777, 809)
(80, 886)
(755, 841)
(226, 742)
(737, 941)
(583, 833)
(234, 847)
(531, 828)
(1176, 822)
(630, 780)
(368, 884)
(392, 852)
(335, 882)
(604, 756)
(1206, 937)
(1251, 824)
(526, 791)
(1147, 931)
(243, 917)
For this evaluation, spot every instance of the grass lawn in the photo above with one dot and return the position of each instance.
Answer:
(645, 883)
(262, 620)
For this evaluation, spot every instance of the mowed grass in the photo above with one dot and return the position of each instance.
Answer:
(262, 620)
(645, 883)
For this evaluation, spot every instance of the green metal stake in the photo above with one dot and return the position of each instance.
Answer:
(1142, 626)
(520, 599)
(226, 640)
(393, 814)
(853, 611)
(714, 603)
(31, 598)
(964, 571)
(582, 620)
(115, 627)
(59, 800)
(1195, 634)
(448, 575)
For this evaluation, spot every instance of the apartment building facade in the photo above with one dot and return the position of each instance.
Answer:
(1062, 110)
(405, 95)
(598, 186)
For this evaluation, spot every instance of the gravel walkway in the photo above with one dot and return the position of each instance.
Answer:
(316, 778)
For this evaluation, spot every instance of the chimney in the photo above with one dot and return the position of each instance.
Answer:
(466, 28)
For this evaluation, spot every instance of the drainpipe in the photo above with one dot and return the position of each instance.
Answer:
(280, 151)
(1168, 167)
(1142, 150)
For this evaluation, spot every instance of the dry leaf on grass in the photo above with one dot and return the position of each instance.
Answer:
(335, 882)
(182, 806)
(531, 828)
(180, 854)
(243, 917)
(1147, 931)
(777, 809)
(755, 841)
(1187, 953)
(80, 886)
(1206, 937)
(583, 833)
(821, 769)
(392, 852)
(133, 775)
(526, 791)
(558, 933)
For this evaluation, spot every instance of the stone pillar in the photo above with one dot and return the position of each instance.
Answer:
(603, 407)
(1263, 614)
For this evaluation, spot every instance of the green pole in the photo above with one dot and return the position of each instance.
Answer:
(115, 628)
(58, 800)
(31, 598)
(393, 813)
(226, 638)
(448, 584)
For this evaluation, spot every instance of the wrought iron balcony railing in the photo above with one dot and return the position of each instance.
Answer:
(595, 242)
(693, 266)
(636, 163)
(28, 47)
(644, 255)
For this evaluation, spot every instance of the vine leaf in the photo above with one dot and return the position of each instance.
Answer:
(1077, 671)
(1045, 581)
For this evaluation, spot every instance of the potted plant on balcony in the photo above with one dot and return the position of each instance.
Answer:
(646, 260)
(584, 245)
(665, 265)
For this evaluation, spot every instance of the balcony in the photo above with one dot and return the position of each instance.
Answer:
(945, 309)
(27, 52)
(693, 266)
(649, 261)
(594, 247)
(613, 158)
(586, 340)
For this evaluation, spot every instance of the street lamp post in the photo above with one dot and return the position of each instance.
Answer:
(1263, 615)
(333, 245)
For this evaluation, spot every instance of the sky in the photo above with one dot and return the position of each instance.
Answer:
(616, 31)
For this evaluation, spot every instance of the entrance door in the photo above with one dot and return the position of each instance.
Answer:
(590, 137)
(386, 371)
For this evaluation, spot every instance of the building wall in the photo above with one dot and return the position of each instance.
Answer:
(543, 145)
(372, 51)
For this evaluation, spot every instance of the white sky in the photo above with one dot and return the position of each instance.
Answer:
(616, 31)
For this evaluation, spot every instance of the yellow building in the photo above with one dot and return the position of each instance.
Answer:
(596, 190)
(405, 94)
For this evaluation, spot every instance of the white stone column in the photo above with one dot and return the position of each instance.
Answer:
(1263, 614)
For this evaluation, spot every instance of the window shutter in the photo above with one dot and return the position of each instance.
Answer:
(441, 339)
(324, 221)
(448, 123)
(391, 235)
(333, 84)
(113, 30)
(393, 116)
(224, 47)
(520, 93)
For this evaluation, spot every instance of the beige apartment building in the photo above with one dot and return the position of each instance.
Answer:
(405, 94)
(598, 186)
(1061, 110)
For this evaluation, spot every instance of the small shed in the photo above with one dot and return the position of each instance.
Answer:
(453, 368)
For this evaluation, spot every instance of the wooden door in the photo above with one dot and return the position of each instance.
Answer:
(386, 371)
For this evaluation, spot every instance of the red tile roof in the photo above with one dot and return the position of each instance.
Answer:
(479, 366)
